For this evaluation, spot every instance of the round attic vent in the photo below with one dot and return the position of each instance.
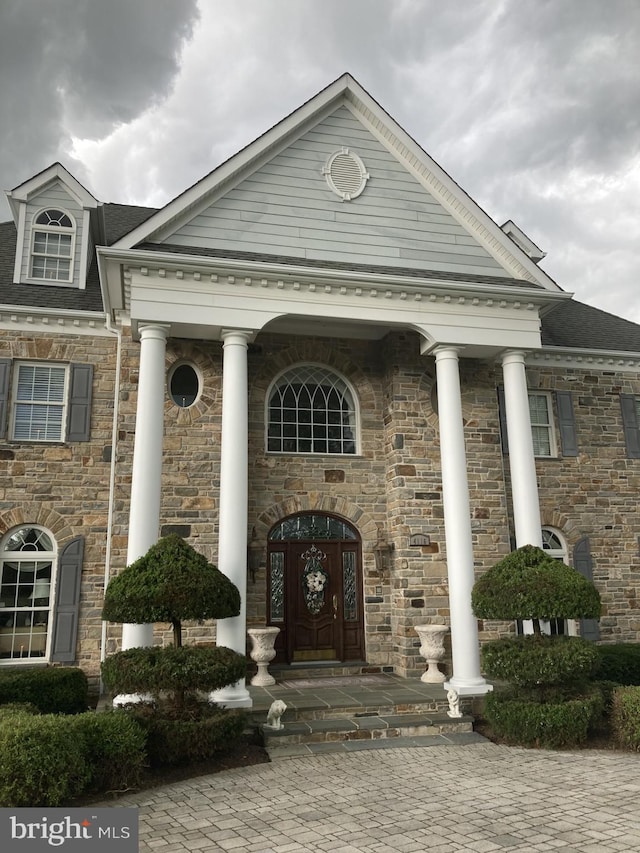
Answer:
(346, 174)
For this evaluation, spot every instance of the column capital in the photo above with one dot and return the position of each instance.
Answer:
(513, 356)
(157, 331)
(238, 336)
(447, 352)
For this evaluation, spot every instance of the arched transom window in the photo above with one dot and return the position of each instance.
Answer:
(27, 559)
(52, 251)
(311, 409)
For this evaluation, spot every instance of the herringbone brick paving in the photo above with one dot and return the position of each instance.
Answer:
(448, 799)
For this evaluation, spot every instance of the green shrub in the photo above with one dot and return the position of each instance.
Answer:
(625, 717)
(620, 663)
(54, 690)
(538, 660)
(528, 584)
(197, 733)
(157, 669)
(41, 763)
(18, 708)
(548, 724)
(114, 744)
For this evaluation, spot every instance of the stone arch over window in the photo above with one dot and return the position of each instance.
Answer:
(52, 245)
(312, 408)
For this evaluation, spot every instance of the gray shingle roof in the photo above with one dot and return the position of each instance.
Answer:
(570, 324)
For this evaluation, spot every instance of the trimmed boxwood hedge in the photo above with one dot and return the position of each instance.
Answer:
(552, 725)
(625, 717)
(619, 662)
(157, 669)
(54, 690)
(535, 660)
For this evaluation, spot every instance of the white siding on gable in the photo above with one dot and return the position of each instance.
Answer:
(286, 208)
(53, 196)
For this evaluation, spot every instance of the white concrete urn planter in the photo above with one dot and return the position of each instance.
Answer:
(263, 652)
(432, 650)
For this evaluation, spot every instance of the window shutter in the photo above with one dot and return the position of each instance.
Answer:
(502, 414)
(567, 423)
(583, 563)
(65, 621)
(5, 372)
(630, 425)
(79, 418)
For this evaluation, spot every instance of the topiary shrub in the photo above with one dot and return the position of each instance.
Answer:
(114, 744)
(54, 690)
(156, 669)
(170, 583)
(552, 725)
(554, 706)
(41, 763)
(528, 584)
(619, 662)
(197, 733)
(625, 717)
(540, 661)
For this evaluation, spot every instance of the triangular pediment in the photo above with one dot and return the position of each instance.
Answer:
(276, 199)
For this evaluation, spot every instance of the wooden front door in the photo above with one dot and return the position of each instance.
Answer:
(315, 595)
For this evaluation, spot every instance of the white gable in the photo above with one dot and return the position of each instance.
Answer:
(286, 207)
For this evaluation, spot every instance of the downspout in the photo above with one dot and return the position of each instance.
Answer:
(112, 474)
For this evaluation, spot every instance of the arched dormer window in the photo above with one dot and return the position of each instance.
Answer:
(52, 246)
(311, 409)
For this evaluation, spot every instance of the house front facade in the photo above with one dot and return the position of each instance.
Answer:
(330, 371)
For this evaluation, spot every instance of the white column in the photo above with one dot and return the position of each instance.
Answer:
(465, 647)
(233, 512)
(524, 483)
(146, 477)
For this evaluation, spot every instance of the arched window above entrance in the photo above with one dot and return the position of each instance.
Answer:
(312, 526)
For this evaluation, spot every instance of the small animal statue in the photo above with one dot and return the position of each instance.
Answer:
(277, 709)
(454, 703)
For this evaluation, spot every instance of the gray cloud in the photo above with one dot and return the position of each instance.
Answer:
(77, 67)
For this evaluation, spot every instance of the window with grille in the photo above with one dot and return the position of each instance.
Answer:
(39, 402)
(541, 423)
(52, 250)
(311, 409)
(27, 560)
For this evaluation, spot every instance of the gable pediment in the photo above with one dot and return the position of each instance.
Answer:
(272, 198)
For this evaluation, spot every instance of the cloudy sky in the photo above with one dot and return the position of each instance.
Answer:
(532, 106)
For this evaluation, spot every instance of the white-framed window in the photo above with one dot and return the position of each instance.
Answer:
(52, 246)
(39, 401)
(311, 409)
(27, 575)
(541, 414)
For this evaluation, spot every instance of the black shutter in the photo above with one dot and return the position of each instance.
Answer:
(65, 617)
(583, 563)
(630, 425)
(79, 419)
(502, 414)
(5, 372)
(567, 423)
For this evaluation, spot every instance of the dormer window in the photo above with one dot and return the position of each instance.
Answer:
(53, 243)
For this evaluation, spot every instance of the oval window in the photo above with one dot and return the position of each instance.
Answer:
(184, 385)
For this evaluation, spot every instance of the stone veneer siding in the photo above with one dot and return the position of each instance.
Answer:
(394, 482)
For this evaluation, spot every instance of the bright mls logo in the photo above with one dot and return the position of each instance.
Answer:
(34, 830)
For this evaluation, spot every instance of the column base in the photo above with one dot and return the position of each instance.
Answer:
(468, 687)
(234, 696)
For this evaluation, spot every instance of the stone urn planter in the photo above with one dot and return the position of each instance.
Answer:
(263, 652)
(432, 650)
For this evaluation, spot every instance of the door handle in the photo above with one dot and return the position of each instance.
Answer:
(335, 606)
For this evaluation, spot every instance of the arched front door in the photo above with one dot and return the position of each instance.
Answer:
(314, 588)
